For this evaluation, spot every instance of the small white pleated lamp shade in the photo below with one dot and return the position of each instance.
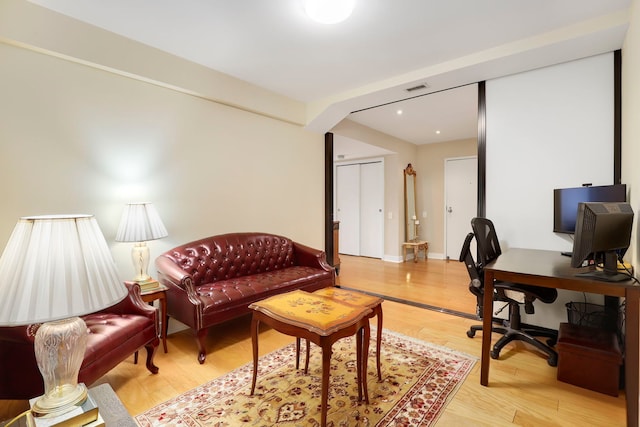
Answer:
(56, 267)
(140, 222)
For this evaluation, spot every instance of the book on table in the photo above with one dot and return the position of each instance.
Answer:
(148, 285)
(99, 422)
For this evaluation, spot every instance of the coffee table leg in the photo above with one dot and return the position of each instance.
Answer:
(365, 357)
(379, 341)
(297, 353)
(306, 363)
(359, 361)
(254, 341)
(326, 368)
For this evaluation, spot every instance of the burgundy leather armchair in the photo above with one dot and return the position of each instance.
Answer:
(115, 333)
(214, 279)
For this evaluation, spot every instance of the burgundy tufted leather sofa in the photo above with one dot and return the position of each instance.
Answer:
(115, 333)
(214, 279)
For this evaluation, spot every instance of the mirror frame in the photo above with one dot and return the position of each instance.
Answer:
(409, 232)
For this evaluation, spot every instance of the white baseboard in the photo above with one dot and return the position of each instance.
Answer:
(399, 259)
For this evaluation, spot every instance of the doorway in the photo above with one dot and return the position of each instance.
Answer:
(460, 199)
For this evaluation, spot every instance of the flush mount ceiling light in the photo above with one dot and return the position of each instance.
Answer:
(329, 11)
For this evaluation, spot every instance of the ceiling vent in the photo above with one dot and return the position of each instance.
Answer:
(419, 87)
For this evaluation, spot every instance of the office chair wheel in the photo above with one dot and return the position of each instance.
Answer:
(495, 354)
(551, 342)
(552, 361)
(471, 333)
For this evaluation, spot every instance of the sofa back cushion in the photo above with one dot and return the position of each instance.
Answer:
(232, 255)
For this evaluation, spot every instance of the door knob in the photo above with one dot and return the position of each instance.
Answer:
(449, 209)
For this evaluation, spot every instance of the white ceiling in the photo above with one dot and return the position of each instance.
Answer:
(437, 117)
(385, 44)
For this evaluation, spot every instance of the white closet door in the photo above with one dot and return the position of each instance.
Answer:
(371, 209)
(348, 208)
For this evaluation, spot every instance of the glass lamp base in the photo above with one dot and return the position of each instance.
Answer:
(59, 348)
(52, 406)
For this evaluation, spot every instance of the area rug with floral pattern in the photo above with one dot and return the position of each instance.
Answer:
(418, 380)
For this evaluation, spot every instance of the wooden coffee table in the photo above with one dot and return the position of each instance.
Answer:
(357, 299)
(322, 321)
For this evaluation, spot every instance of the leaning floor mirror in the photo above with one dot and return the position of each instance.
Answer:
(411, 221)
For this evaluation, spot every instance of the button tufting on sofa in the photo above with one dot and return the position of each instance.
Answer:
(208, 287)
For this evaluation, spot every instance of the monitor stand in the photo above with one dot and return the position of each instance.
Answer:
(609, 272)
(604, 276)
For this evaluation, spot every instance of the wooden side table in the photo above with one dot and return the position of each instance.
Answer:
(159, 294)
(150, 296)
(336, 246)
(320, 320)
(417, 246)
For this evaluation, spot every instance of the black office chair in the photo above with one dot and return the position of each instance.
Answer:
(511, 293)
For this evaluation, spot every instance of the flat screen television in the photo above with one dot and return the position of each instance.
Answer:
(603, 233)
(566, 200)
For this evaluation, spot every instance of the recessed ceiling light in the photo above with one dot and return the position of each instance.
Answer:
(438, 132)
(399, 112)
(329, 11)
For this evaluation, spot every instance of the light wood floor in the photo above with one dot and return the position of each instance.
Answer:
(522, 391)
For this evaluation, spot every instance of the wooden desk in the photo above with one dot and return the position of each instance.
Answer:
(552, 270)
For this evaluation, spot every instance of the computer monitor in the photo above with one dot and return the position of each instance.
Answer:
(566, 200)
(603, 231)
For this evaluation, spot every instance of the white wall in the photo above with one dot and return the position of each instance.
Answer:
(77, 139)
(631, 124)
(547, 128)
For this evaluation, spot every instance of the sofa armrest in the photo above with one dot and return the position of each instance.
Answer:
(307, 256)
(175, 278)
(183, 301)
(19, 334)
(170, 272)
(133, 304)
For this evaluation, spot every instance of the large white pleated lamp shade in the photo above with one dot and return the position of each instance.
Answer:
(54, 269)
(140, 223)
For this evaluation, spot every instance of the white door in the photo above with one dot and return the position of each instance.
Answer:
(371, 209)
(348, 208)
(461, 200)
(360, 207)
